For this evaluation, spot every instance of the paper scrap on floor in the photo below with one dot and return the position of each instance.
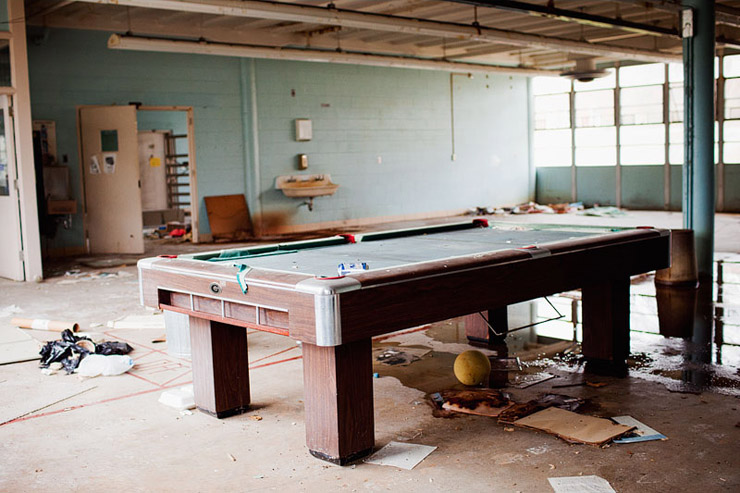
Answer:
(153, 321)
(641, 433)
(395, 357)
(528, 380)
(580, 484)
(574, 427)
(17, 346)
(403, 455)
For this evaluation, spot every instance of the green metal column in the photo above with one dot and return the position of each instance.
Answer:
(698, 170)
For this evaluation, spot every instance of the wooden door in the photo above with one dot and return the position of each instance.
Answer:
(11, 258)
(110, 167)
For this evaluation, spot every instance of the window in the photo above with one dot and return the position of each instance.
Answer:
(552, 148)
(642, 144)
(642, 75)
(641, 105)
(595, 108)
(552, 111)
(596, 146)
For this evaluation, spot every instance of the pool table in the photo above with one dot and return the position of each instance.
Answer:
(396, 280)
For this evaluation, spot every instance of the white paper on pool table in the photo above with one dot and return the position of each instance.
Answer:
(403, 455)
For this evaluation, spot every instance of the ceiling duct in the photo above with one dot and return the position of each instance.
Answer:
(585, 71)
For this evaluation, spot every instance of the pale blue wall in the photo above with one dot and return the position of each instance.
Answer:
(642, 187)
(74, 68)
(358, 114)
(596, 185)
(553, 185)
(403, 117)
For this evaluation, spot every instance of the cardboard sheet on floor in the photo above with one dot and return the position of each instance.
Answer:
(228, 217)
(403, 455)
(17, 346)
(574, 427)
(641, 433)
(580, 484)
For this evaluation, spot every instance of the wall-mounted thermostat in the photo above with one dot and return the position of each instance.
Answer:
(303, 130)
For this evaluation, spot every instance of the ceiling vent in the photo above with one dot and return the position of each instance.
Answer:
(585, 71)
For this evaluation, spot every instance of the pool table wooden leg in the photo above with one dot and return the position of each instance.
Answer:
(478, 332)
(606, 325)
(220, 367)
(338, 390)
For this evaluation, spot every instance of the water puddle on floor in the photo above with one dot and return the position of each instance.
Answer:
(684, 338)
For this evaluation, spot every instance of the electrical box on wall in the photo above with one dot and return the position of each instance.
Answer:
(303, 129)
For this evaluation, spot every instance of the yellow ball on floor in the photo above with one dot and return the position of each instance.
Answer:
(472, 367)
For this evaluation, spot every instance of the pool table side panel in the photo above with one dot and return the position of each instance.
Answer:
(186, 287)
(386, 308)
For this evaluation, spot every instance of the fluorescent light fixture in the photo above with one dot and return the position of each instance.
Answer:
(139, 43)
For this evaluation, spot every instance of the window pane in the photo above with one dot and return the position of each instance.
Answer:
(642, 75)
(675, 72)
(641, 105)
(550, 85)
(596, 146)
(675, 103)
(675, 133)
(732, 98)
(675, 154)
(595, 109)
(642, 144)
(607, 82)
(731, 66)
(731, 147)
(552, 111)
(552, 148)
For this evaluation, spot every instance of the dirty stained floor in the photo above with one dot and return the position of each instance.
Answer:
(65, 433)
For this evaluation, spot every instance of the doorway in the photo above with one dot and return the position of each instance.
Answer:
(11, 262)
(138, 167)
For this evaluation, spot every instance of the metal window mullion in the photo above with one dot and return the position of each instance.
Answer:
(617, 126)
(719, 114)
(573, 177)
(667, 126)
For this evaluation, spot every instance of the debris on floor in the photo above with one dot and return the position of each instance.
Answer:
(44, 324)
(17, 346)
(402, 455)
(75, 276)
(7, 311)
(105, 263)
(580, 484)
(94, 365)
(597, 211)
(395, 357)
(181, 398)
(482, 402)
(71, 350)
(520, 410)
(523, 381)
(151, 321)
(641, 433)
(532, 208)
(573, 427)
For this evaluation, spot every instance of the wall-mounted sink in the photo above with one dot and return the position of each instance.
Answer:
(306, 185)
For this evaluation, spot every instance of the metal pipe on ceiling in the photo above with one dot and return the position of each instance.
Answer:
(552, 12)
(140, 43)
(383, 22)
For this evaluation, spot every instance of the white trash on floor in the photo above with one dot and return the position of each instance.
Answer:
(181, 398)
(98, 364)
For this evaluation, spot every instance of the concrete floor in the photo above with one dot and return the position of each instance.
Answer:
(117, 436)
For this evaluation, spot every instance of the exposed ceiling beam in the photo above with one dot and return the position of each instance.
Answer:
(138, 43)
(380, 22)
(727, 15)
(665, 5)
(51, 8)
(551, 12)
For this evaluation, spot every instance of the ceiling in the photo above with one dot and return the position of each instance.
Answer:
(521, 35)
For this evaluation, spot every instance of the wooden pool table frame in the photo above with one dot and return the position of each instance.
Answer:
(335, 319)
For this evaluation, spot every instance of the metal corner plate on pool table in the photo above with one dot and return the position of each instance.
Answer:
(326, 306)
